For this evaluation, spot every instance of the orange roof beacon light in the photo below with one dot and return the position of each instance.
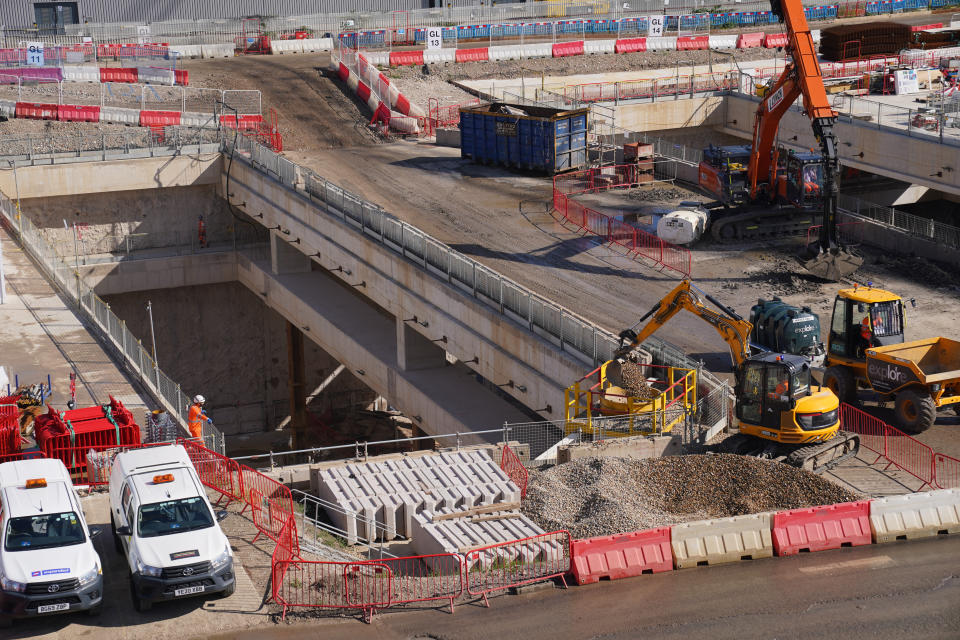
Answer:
(167, 477)
(36, 483)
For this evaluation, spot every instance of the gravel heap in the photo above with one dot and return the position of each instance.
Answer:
(634, 382)
(602, 496)
(658, 193)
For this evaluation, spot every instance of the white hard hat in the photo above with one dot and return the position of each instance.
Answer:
(198, 399)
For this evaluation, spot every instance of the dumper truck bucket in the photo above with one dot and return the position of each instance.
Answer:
(833, 264)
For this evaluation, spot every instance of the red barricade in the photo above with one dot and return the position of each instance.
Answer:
(78, 113)
(909, 454)
(924, 27)
(247, 123)
(750, 40)
(518, 562)
(343, 72)
(819, 528)
(403, 105)
(363, 91)
(514, 469)
(405, 58)
(215, 471)
(946, 472)
(118, 74)
(630, 45)
(563, 49)
(690, 43)
(68, 437)
(35, 111)
(310, 584)
(181, 77)
(270, 501)
(159, 118)
(623, 555)
(473, 55)
(773, 40)
(412, 579)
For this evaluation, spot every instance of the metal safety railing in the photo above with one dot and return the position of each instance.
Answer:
(112, 331)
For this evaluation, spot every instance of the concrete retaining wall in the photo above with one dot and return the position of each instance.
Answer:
(632, 447)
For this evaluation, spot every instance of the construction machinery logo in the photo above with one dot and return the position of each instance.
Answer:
(886, 376)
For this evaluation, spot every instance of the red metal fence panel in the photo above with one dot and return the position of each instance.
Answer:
(367, 585)
(218, 472)
(514, 469)
(909, 454)
(869, 428)
(511, 564)
(311, 584)
(270, 501)
(420, 578)
(946, 472)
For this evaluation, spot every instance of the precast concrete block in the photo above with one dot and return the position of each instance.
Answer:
(915, 515)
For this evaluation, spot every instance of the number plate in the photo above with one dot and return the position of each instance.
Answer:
(187, 591)
(47, 608)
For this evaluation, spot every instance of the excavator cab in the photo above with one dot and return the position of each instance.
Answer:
(723, 172)
(775, 394)
(802, 179)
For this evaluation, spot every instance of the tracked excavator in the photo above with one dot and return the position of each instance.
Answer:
(782, 415)
(751, 178)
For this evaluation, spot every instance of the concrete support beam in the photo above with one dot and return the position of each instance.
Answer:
(297, 385)
(414, 351)
(285, 258)
(160, 272)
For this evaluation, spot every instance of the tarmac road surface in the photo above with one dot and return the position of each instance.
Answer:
(902, 590)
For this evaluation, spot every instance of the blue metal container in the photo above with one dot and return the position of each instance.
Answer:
(536, 139)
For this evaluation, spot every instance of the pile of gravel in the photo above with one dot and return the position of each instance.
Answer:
(633, 381)
(658, 193)
(602, 496)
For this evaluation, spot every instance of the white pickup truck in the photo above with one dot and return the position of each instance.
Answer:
(164, 524)
(47, 560)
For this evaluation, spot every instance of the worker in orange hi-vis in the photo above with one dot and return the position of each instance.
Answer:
(202, 232)
(196, 417)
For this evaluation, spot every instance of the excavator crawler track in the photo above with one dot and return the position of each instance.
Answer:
(820, 457)
(757, 225)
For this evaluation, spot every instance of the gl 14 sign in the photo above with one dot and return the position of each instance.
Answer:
(434, 38)
(656, 26)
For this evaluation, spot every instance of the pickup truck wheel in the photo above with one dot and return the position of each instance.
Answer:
(840, 381)
(226, 593)
(915, 413)
(139, 603)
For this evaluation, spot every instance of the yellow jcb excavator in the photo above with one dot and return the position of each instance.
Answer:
(781, 414)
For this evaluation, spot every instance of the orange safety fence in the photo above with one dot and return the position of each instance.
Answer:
(636, 241)
(513, 467)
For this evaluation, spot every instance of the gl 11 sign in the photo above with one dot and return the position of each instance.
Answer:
(35, 54)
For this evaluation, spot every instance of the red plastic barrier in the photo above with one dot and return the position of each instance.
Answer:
(159, 118)
(946, 472)
(630, 45)
(563, 49)
(924, 27)
(518, 562)
(624, 555)
(690, 43)
(363, 91)
(514, 469)
(819, 528)
(405, 58)
(118, 74)
(473, 55)
(403, 105)
(247, 123)
(69, 436)
(35, 111)
(750, 40)
(78, 113)
(774, 40)
(181, 77)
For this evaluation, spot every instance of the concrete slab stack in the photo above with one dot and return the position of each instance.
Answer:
(374, 500)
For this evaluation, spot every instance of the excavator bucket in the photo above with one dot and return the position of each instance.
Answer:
(833, 264)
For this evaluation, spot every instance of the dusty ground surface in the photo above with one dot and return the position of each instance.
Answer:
(602, 496)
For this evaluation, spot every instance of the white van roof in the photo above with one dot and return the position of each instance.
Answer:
(19, 501)
(150, 459)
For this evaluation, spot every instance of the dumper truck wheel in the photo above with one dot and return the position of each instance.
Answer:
(915, 413)
(840, 381)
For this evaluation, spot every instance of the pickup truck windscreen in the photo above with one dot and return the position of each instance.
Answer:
(45, 531)
(173, 516)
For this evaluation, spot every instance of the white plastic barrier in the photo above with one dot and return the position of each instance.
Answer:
(505, 53)
(186, 50)
(373, 102)
(81, 74)
(536, 50)
(317, 44)
(915, 515)
(217, 50)
(196, 119)
(378, 58)
(721, 540)
(286, 46)
(661, 44)
(353, 81)
(599, 46)
(439, 55)
(723, 42)
(815, 34)
(403, 124)
(118, 115)
(153, 75)
(7, 108)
